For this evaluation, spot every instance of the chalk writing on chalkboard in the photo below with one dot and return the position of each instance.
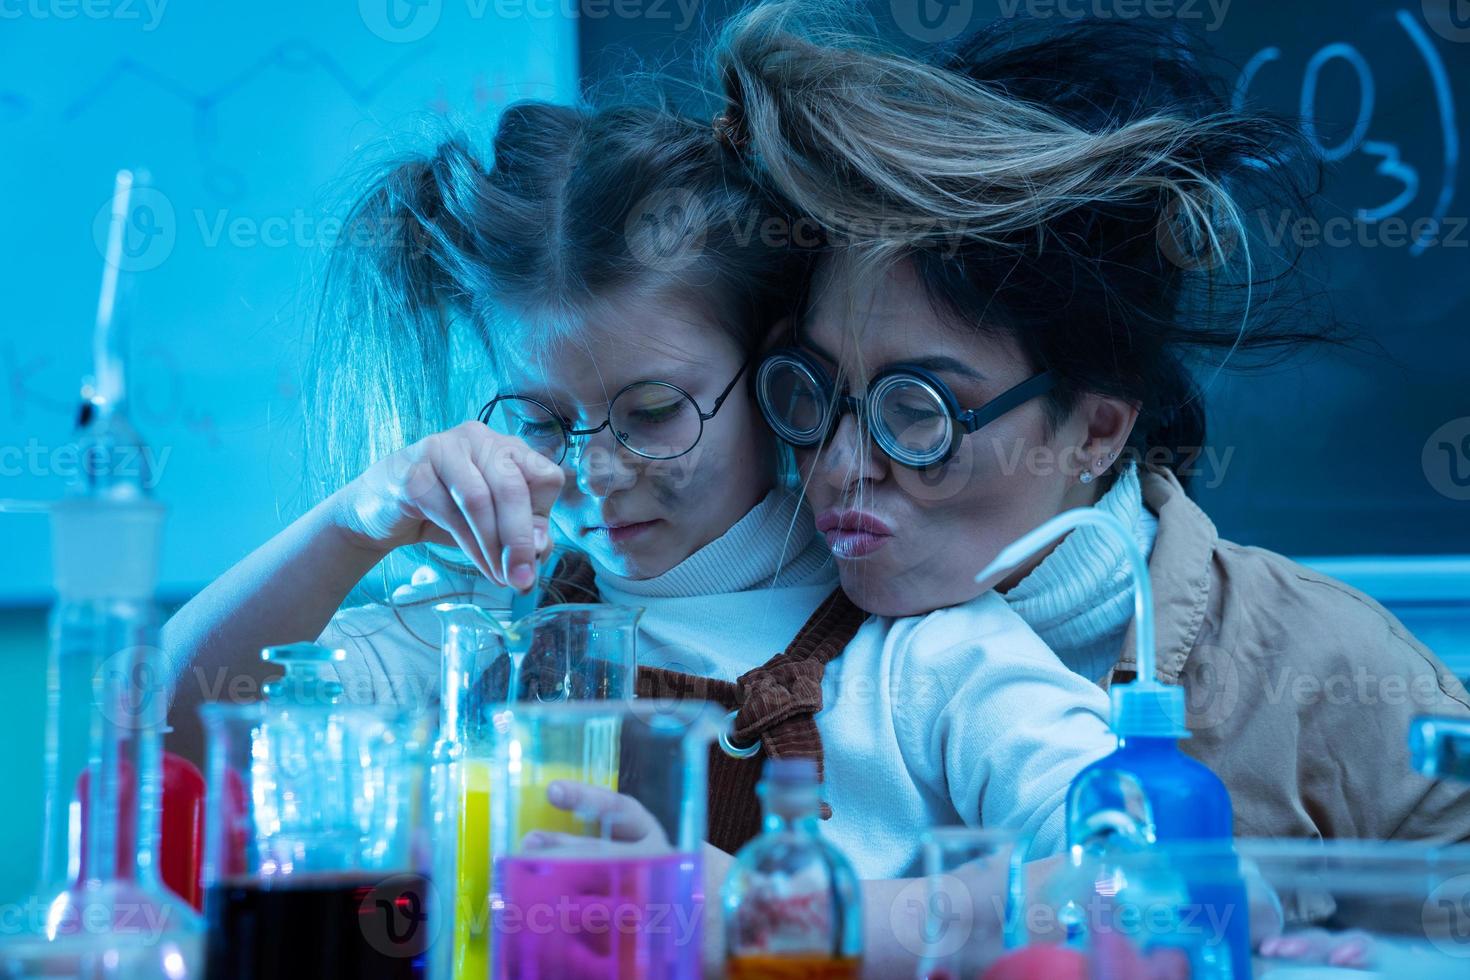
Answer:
(1391, 162)
(295, 55)
(160, 403)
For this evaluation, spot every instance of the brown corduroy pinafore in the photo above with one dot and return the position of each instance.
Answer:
(775, 703)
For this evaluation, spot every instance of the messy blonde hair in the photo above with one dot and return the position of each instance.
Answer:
(1077, 186)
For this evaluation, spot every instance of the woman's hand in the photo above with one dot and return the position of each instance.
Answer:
(486, 493)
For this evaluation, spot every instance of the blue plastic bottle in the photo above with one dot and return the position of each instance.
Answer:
(1163, 797)
(1148, 792)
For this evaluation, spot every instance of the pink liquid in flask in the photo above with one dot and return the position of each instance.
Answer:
(629, 918)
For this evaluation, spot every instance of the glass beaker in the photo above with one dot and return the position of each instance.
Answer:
(1167, 909)
(973, 899)
(314, 865)
(616, 890)
(1393, 908)
(568, 652)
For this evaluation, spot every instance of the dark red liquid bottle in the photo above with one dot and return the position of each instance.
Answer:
(319, 926)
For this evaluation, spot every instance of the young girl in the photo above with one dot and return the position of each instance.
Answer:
(1102, 297)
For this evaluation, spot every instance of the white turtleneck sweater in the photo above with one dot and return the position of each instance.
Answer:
(1080, 598)
(736, 602)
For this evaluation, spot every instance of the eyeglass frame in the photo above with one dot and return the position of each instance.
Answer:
(968, 420)
(568, 433)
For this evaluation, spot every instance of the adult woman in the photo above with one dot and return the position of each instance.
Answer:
(1123, 286)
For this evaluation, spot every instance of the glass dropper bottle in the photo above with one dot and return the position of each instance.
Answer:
(102, 909)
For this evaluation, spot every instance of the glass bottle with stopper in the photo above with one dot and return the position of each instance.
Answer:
(792, 900)
(105, 909)
(305, 678)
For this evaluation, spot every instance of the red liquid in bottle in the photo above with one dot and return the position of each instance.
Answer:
(313, 926)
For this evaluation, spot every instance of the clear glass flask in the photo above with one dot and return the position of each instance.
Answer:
(107, 700)
(974, 889)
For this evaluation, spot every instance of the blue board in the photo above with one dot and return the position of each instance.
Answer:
(251, 120)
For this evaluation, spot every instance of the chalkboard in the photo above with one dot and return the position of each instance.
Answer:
(1362, 454)
(252, 120)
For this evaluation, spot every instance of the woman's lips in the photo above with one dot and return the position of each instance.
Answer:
(853, 533)
(621, 533)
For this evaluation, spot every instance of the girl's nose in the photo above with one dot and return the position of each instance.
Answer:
(602, 465)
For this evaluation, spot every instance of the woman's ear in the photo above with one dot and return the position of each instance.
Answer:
(1109, 422)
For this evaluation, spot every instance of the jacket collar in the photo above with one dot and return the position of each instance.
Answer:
(1180, 569)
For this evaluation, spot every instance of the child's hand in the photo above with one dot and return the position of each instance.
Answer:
(627, 828)
(488, 494)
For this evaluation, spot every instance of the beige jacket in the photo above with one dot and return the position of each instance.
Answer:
(1300, 688)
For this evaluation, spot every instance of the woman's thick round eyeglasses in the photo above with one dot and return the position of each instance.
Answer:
(912, 415)
(652, 419)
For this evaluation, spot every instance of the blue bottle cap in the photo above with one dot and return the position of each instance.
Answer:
(1145, 709)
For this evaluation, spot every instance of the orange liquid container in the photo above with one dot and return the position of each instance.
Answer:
(804, 967)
